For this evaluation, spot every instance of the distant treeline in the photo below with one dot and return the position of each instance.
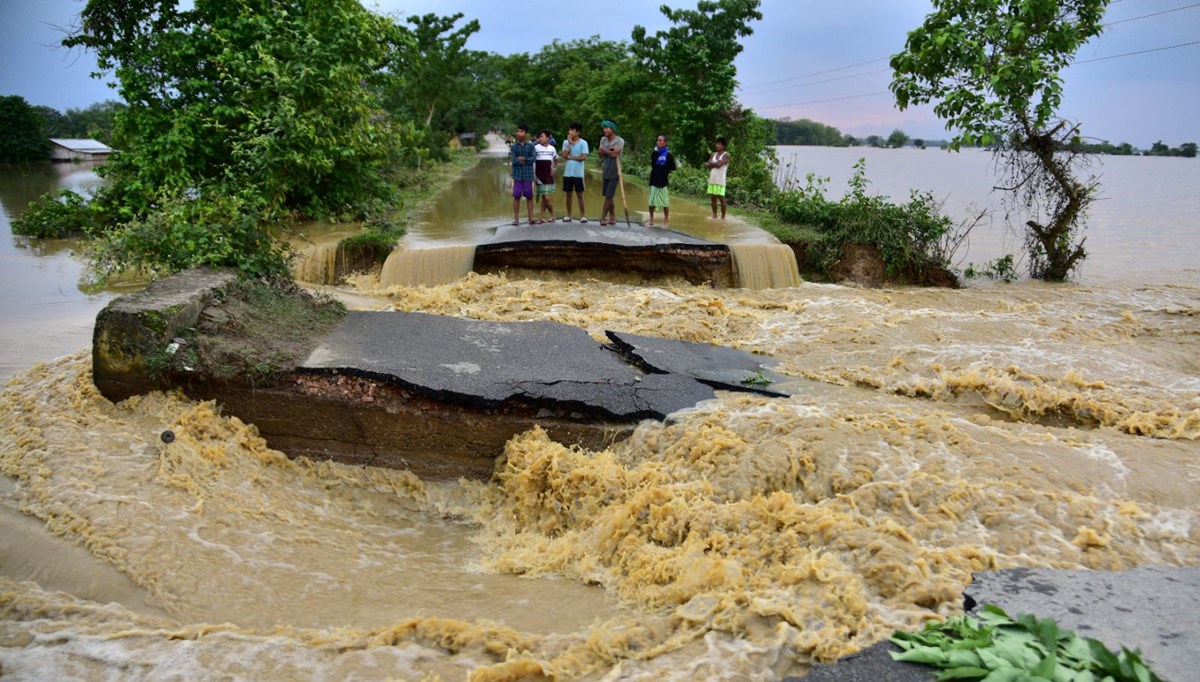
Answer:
(808, 132)
(1187, 149)
(93, 122)
(25, 130)
(804, 132)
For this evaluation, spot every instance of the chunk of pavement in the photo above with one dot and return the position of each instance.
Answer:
(718, 366)
(487, 363)
(1152, 608)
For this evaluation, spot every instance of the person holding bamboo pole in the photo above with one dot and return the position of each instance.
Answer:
(610, 153)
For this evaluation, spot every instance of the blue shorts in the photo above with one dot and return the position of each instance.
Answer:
(522, 188)
(573, 185)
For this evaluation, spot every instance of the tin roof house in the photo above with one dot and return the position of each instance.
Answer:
(63, 149)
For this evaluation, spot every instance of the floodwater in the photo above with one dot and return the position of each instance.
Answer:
(1143, 228)
(438, 248)
(937, 433)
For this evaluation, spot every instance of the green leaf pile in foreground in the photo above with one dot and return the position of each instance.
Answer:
(996, 648)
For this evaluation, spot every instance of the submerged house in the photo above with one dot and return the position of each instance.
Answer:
(62, 149)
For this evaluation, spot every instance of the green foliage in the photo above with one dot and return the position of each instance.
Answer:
(22, 132)
(897, 139)
(987, 62)
(1186, 150)
(94, 122)
(756, 379)
(999, 648)
(914, 238)
(1003, 268)
(431, 67)
(186, 231)
(806, 132)
(375, 245)
(239, 112)
(691, 67)
(992, 67)
(56, 215)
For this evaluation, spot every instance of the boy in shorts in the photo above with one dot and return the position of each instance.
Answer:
(521, 156)
(575, 149)
(718, 163)
(543, 175)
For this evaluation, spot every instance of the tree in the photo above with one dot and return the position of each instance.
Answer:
(690, 65)
(993, 68)
(897, 139)
(22, 132)
(874, 141)
(919, 143)
(1159, 149)
(1188, 150)
(435, 65)
(807, 132)
(257, 108)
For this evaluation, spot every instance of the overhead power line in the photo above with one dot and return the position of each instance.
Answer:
(1156, 14)
(747, 88)
(815, 73)
(1130, 54)
(826, 80)
(874, 94)
(819, 101)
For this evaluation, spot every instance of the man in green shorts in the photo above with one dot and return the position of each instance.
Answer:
(662, 164)
(718, 163)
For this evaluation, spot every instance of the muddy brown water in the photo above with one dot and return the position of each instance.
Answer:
(939, 433)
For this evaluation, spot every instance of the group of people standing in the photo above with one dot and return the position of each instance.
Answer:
(534, 166)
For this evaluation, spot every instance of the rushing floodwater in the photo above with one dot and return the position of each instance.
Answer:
(943, 432)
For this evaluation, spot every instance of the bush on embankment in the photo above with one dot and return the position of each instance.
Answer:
(914, 240)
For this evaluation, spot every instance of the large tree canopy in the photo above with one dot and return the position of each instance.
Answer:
(435, 71)
(271, 92)
(992, 69)
(691, 72)
(988, 64)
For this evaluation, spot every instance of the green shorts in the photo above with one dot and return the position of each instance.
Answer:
(660, 197)
(544, 189)
(718, 190)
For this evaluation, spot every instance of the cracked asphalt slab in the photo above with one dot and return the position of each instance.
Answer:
(486, 363)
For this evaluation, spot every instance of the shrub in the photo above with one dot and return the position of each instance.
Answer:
(56, 215)
(914, 238)
(194, 229)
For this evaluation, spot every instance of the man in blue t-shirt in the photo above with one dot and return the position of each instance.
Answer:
(575, 151)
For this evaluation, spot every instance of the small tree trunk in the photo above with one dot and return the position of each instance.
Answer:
(1069, 199)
